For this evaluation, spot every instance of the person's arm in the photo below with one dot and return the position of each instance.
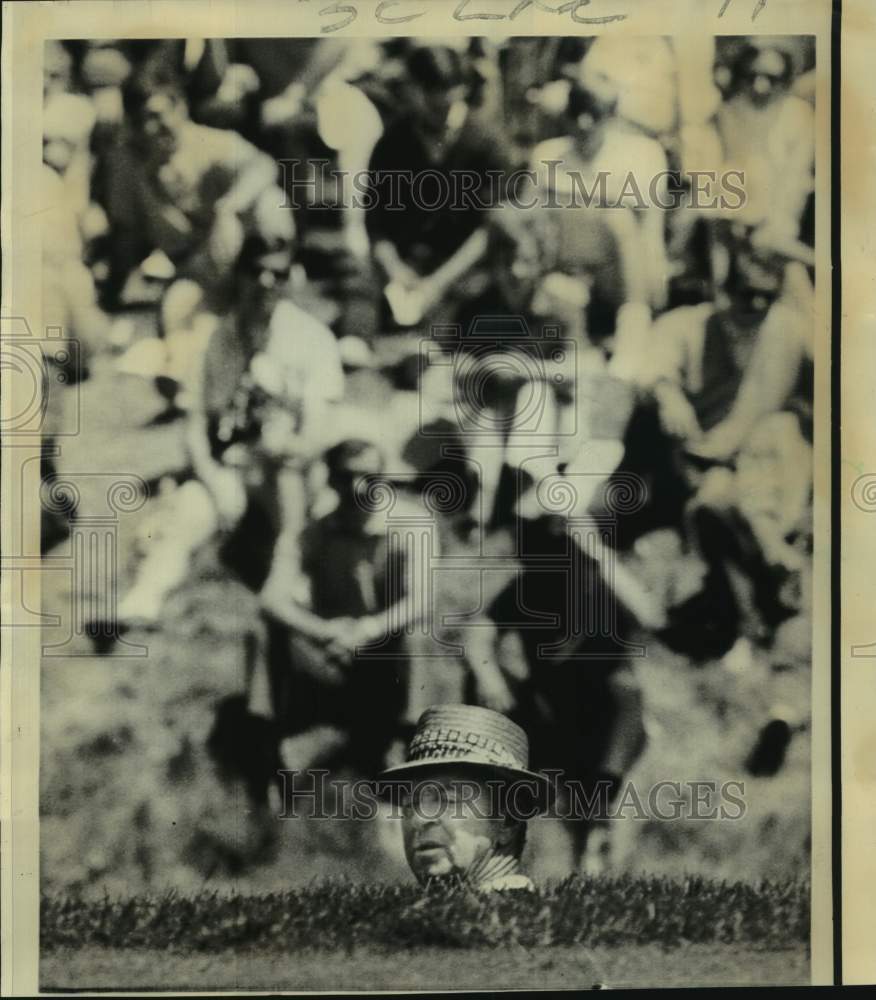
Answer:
(198, 444)
(254, 175)
(413, 609)
(437, 284)
(767, 383)
(792, 181)
(204, 465)
(653, 224)
(664, 370)
(257, 174)
(223, 483)
(482, 660)
(286, 596)
(296, 616)
(645, 259)
(387, 256)
(633, 252)
(386, 227)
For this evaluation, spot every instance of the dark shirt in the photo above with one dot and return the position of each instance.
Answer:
(350, 572)
(426, 237)
(727, 347)
(561, 604)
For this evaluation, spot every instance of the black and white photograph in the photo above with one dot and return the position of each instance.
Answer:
(426, 507)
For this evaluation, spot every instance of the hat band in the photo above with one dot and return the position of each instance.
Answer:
(453, 743)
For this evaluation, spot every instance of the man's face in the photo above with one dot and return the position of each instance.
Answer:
(449, 825)
(765, 78)
(161, 119)
(352, 484)
(268, 278)
(432, 106)
(588, 107)
(757, 279)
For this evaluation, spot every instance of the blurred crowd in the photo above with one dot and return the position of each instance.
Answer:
(520, 352)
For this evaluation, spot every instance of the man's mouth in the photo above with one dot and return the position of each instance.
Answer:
(427, 846)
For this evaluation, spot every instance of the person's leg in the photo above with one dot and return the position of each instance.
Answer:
(291, 682)
(600, 734)
(187, 323)
(375, 698)
(289, 502)
(189, 521)
(627, 736)
(239, 826)
(245, 746)
(706, 624)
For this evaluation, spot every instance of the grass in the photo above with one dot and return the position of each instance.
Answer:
(340, 916)
(430, 969)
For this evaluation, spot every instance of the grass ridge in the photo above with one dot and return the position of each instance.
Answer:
(343, 915)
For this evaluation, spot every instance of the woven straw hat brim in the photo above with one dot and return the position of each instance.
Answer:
(419, 768)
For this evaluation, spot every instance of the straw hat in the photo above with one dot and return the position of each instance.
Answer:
(466, 736)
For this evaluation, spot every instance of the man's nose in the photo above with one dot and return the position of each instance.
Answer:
(426, 812)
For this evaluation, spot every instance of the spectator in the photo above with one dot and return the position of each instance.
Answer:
(765, 131)
(768, 133)
(179, 187)
(722, 377)
(709, 391)
(576, 694)
(524, 356)
(271, 372)
(623, 250)
(637, 75)
(336, 639)
(428, 254)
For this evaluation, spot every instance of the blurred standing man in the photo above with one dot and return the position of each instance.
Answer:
(568, 620)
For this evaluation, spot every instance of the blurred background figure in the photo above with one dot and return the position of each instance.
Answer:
(334, 639)
(726, 376)
(429, 257)
(70, 309)
(622, 251)
(767, 132)
(178, 195)
(258, 419)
